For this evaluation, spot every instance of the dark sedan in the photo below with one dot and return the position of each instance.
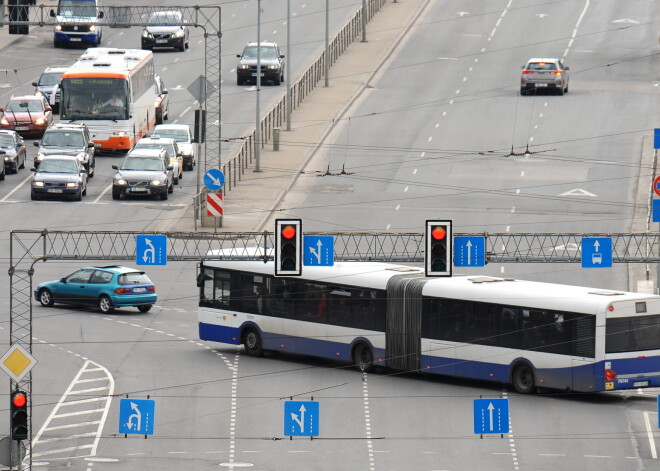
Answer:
(173, 34)
(60, 176)
(143, 176)
(14, 151)
(272, 63)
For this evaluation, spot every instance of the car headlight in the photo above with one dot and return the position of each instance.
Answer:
(58, 28)
(146, 34)
(92, 28)
(157, 182)
(120, 181)
(41, 157)
(37, 183)
(4, 121)
(243, 67)
(72, 185)
(179, 34)
(273, 67)
(40, 121)
(8, 158)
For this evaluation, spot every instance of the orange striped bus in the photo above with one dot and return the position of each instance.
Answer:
(111, 91)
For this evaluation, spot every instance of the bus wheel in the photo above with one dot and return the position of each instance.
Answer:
(523, 379)
(252, 342)
(363, 358)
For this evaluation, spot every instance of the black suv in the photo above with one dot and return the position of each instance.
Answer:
(272, 64)
(68, 139)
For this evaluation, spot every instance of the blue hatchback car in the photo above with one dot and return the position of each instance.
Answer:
(104, 287)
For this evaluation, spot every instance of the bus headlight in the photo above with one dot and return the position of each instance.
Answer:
(58, 28)
(92, 28)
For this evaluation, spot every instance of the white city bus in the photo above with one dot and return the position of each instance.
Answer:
(112, 91)
(529, 334)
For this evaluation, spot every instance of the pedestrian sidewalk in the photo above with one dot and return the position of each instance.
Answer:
(251, 205)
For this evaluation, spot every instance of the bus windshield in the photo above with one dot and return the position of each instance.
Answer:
(77, 9)
(92, 98)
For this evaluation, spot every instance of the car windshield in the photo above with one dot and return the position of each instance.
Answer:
(17, 106)
(63, 139)
(133, 278)
(267, 52)
(176, 134)
(50, 79)
(541, 66)
(165, 17)
(156, 145)
(58, 166)
(142, 163)
(6, 140)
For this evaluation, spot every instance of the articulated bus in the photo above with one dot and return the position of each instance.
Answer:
(524, 333)
(112, 91)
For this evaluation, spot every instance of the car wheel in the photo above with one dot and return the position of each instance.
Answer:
(2, 176)
(144, 307)
(181, 175)
(182, 47)
(523, 91)
(159, 117)
(171, 188)
(566, 89)
(105, 305)
(23, 164)
(84, 192)
(560, 91)
(90, 171)
(45, 297)
(79, 196)
(276, 80)
(57, 44)
(33, 196)
(163, 195)
(176, 181)
(116, 196)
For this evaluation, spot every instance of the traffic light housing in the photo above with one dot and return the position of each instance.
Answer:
(288, 247)
(19, 415)
(438, 254)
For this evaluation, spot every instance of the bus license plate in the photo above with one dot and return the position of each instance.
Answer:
(640, 384)
(54, 190)
(139, 290)
(76, 39)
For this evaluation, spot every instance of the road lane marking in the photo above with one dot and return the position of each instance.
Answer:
(16, 189)
(649, 433)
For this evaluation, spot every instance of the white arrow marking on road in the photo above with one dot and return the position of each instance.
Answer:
(469, 246)
(300, 421)
(596, 245)
(137, 415)
(490, 411)
(317, 252)
(153, 254)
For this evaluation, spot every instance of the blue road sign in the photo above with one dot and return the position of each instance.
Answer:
(491, 416)
(469, 251)
(301, 418)
(656, 210)
(214, 179)
(318, 251)
(596, 252)
(137, 416)
(151, 250)
(656, 138)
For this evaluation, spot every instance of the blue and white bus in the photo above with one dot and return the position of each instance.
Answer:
(524, 333)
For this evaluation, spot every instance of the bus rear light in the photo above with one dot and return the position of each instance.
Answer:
(610, 375)
(611, 308)
(338, 354)
(491, 374)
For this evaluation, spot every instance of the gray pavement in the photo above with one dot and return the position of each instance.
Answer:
(252, 205)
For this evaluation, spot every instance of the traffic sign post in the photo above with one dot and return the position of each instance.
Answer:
(469, 251)
(491, 416)
(301, 418)
(151, 250)
(137, 416)
(214, 179)
(596, 252)
(318, 251)
(214, 205)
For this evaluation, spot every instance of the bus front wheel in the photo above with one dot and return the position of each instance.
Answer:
(252, 342)
(363, 358)
(523, 379)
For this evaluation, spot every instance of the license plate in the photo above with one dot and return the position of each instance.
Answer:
(54, 190)
(139, 290)
(76, 39)
(138, 190)
(640, 384)
(254, 74)
(21, 128)
(161, 41)
(541, 84)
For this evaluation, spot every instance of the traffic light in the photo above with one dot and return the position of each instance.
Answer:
(19, 415)
(438, 255)
(288, 247)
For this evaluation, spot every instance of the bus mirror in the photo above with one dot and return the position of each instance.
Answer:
(52, 13)
(101, 14)
(200, 280)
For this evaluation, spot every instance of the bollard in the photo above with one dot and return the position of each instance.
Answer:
(276, 139)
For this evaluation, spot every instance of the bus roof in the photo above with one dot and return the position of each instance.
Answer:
(107, 62)
(506, 291)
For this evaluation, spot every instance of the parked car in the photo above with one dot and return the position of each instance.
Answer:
(105, 287)
(48, 85)
(144, 172)
(272, 63)
(176, 35)
(183, 137)
(59, 176)
(162, 102)
(172, 149)
(27, 115)
(544, 74)
(14, 151)
(68, 139)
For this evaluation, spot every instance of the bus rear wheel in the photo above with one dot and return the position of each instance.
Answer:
(252, 342)
(523, 379)
(363, 358)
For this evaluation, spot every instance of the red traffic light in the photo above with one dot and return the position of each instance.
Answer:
(438, 232)
(19, 400)
(289, 232)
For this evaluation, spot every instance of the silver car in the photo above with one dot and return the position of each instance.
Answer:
(544, 74)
